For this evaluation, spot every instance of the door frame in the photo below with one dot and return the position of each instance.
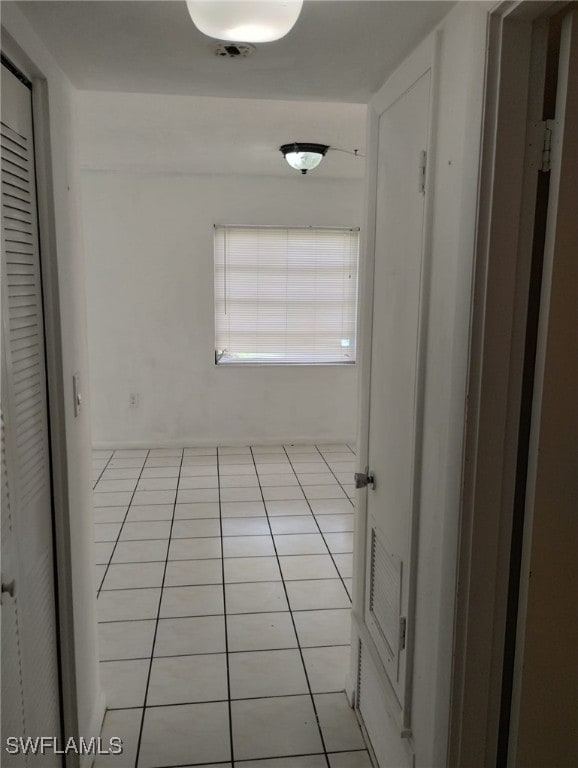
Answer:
(511, 153)
(66, 640)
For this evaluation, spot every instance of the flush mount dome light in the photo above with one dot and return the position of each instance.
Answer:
(304, 156)
(260, 21)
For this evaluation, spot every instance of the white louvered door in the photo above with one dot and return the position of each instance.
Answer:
(30, 682)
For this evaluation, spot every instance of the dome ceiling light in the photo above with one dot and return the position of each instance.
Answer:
(303, 156)
(260, 21)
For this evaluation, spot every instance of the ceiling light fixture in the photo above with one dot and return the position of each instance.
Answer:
(260, 21)
(303, 156)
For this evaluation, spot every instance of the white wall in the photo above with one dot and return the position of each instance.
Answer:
(149, 257)
(63, 271)
(457, 162)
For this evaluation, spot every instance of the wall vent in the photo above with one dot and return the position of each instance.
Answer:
(385, 593)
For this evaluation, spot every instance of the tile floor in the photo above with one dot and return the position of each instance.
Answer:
(224, 581)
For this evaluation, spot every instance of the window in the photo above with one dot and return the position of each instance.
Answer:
(285, 295)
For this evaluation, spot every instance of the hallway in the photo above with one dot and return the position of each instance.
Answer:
(224, 582)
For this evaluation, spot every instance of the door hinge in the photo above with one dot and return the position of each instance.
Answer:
(546, 161)
(421, 172)
(364, 479)
(402, 632)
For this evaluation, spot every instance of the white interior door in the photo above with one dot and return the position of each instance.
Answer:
(393, 403)
(30, 680)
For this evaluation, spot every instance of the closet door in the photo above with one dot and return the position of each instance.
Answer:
(403, 134)
(400, 125)
(30, 679)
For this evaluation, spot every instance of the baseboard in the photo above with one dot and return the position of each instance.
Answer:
(86, 761)
(109, 445)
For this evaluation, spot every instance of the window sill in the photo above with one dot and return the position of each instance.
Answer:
(285, 365)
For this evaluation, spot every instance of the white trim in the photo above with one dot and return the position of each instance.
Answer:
(97, 720)
(513, 89)
(365, 330)
(364, 335)
(223, 364)
(434, 51)
(111, 445)
(390, 699)
(56, 390)
(416, 65)
(285, 227)
(554, 247)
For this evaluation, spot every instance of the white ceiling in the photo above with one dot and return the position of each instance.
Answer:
(338, 51)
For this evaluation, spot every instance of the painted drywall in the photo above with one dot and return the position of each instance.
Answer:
(66, 330)
(215, 136)
(149, 263)
(454, 165)
(457, 162)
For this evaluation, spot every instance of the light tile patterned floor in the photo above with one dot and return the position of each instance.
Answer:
(224, 580)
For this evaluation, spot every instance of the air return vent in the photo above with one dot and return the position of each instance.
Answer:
(234, 50)
(385, 593)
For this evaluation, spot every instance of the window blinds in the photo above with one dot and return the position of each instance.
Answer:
(285, 295)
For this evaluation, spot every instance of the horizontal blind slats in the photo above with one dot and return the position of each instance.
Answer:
(285, 295)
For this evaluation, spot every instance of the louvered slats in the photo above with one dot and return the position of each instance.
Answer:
(6, 509)
(22, 292)
(385, 593)
(30, 690)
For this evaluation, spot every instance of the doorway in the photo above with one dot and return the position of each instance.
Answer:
(522, 237)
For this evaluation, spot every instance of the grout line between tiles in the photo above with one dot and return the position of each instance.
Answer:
(93, 487)
(246, 650)
(235, 536)
(103, 471)
(152, 657)
(230, 711)
(206, 559)
(335, 476)
(319, 527)
(221, 653)
(231, 583)
(295, 628)
(119, 530)
(219, 701)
